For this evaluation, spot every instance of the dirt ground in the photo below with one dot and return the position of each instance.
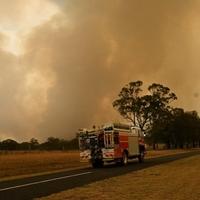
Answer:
(178, 180)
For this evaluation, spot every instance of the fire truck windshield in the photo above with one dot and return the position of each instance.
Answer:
(108, 128)
(88, 142)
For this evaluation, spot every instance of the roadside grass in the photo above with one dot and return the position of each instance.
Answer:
(15, 165)
(158, 153)
(178, 180)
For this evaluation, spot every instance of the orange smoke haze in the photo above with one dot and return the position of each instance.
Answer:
(65, 66)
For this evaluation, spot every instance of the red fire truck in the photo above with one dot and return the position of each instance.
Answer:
(114, 142)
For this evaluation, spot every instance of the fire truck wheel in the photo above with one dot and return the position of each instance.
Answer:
(124, 158)
(97, 164)
(141, 157)
(94, 164)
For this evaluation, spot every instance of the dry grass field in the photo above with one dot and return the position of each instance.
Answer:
(15, 164)
(178, 180)
(22, 164)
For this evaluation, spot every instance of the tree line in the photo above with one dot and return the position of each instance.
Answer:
(52, 143)
(153, 112)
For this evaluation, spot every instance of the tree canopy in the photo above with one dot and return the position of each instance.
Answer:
(143, 110)
(51, 143)
(151, 110)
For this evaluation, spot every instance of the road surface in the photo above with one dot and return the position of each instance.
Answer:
(34, 187)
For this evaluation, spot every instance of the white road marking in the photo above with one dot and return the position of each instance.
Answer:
(44, 181)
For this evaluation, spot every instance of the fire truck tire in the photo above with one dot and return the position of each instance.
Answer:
(97, 164)
(141, 157)
(94, 165)
(124, 158)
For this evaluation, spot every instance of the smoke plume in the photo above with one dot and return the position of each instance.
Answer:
(75, 64)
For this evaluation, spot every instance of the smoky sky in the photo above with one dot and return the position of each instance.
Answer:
(75, 64)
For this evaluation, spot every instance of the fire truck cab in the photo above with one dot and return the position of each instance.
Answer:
(114, 142)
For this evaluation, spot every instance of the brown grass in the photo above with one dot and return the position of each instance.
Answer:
(24, 163)
(178, 180)
(158, 153)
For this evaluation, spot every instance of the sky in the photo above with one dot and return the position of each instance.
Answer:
(64, 62)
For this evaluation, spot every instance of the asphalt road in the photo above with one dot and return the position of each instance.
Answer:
(34, 187)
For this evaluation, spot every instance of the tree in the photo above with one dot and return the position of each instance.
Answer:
(9, 144)
(147, 109)
(186, 129)
(52, 143)
(24, 146)
(143, 113)
(33, 144)
(161, 97)
(177, 129)
(160, 113)
(73, 144)
(127, 103)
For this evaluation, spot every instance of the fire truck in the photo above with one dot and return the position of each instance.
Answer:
(113, 142)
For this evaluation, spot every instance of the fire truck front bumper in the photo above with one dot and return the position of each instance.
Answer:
(108, 154)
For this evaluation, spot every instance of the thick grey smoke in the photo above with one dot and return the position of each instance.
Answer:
(77, 62)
